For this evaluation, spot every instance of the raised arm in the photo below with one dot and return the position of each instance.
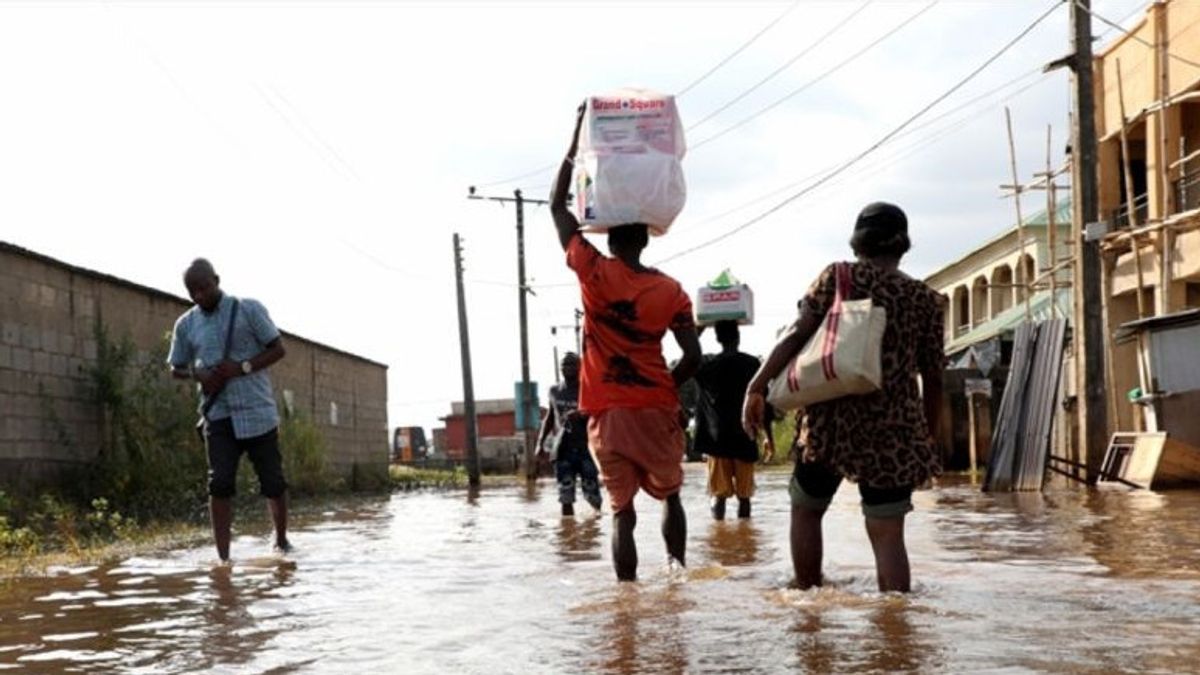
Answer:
(565, 221)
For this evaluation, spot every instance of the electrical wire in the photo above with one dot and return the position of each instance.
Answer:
(873, 147)
(842, 64)
(787, 64)
(754, 38)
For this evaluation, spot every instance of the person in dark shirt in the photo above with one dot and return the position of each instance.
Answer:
(570, 441)
(722, 381)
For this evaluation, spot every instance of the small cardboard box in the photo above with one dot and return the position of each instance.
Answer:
(727, 303)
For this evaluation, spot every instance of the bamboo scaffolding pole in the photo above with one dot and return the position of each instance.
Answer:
(1162, 304)
(1130, 197)
(1183, 160)
(1051, 223)
(1012, 157)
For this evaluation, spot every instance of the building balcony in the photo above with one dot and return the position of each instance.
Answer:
(1187, 192)
(1119, 218)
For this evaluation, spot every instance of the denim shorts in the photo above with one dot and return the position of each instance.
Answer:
(814, 484)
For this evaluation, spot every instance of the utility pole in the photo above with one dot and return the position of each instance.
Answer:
(1087, 287)
(530, 412)
(468, 386)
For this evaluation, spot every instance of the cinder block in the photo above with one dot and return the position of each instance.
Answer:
(58, 365)
(31, 337)
(89, 350)
(86, 307)
(49, 341)
(47, 295)
(10, 333)
(30, 293)
(5, 356)
(22, 359)
(41, 362)
(66, 343)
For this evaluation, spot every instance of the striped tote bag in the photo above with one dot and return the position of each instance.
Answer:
(843, 358)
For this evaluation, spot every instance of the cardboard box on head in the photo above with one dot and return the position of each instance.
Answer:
(725, 299)
(627, 169)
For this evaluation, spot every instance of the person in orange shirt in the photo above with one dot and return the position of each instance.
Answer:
(626, 389)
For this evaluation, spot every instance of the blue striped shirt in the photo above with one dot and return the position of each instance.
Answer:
(199, 341)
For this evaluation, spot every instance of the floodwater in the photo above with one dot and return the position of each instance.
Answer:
(1069, 581)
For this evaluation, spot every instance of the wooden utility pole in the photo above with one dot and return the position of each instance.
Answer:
(529, 414)
(468, 385)
(1089, 301)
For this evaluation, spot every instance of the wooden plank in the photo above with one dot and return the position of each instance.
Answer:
(1178, 465)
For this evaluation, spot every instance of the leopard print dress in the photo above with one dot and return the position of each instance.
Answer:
(881, 439)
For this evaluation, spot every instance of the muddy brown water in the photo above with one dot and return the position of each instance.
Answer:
(1067, 581)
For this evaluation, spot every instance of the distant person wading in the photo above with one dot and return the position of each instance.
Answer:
(722, 381)
(566, 426)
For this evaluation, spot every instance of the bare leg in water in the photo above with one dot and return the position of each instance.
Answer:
(891, 556)
(674, 528)
(625, 559)
(279, 515)
(674, 531)
(807, 546)
(220, 510)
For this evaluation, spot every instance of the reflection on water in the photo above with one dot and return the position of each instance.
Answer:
(497, 581)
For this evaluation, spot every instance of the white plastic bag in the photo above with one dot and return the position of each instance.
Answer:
(627, 169)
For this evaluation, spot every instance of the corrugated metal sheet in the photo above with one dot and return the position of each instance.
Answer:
(1021, 443)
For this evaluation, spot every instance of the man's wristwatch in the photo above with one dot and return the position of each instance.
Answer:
(247, 367)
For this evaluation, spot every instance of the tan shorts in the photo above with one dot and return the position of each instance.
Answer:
(637, 447)
(727, 477)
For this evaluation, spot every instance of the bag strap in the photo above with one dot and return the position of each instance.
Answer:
(211, 400)
(842, 286)
(229, 331)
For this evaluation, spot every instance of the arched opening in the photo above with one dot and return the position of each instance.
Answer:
(979, 301)
(960, 311)
(1002, 289)
(1024, 275)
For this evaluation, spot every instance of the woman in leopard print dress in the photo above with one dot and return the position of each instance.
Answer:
(880, 440)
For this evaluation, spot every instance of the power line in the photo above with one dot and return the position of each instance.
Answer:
(754, 38)
(787, 64)
(904, 153)
(860, 156)
(853, 57)
(1133, 35)
(927, 123)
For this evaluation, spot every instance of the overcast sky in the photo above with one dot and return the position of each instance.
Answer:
(319, 153)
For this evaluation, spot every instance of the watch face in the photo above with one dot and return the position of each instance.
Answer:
(246, 367)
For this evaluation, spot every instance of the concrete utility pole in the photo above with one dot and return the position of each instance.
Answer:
(530, 412)
(468, 385)
(1089, 301)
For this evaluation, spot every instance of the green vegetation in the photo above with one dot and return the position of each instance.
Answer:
(148, 476)
(407, 478)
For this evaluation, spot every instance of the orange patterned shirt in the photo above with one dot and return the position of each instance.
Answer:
(626, 315)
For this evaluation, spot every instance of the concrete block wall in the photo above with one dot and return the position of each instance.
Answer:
(48, 418)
